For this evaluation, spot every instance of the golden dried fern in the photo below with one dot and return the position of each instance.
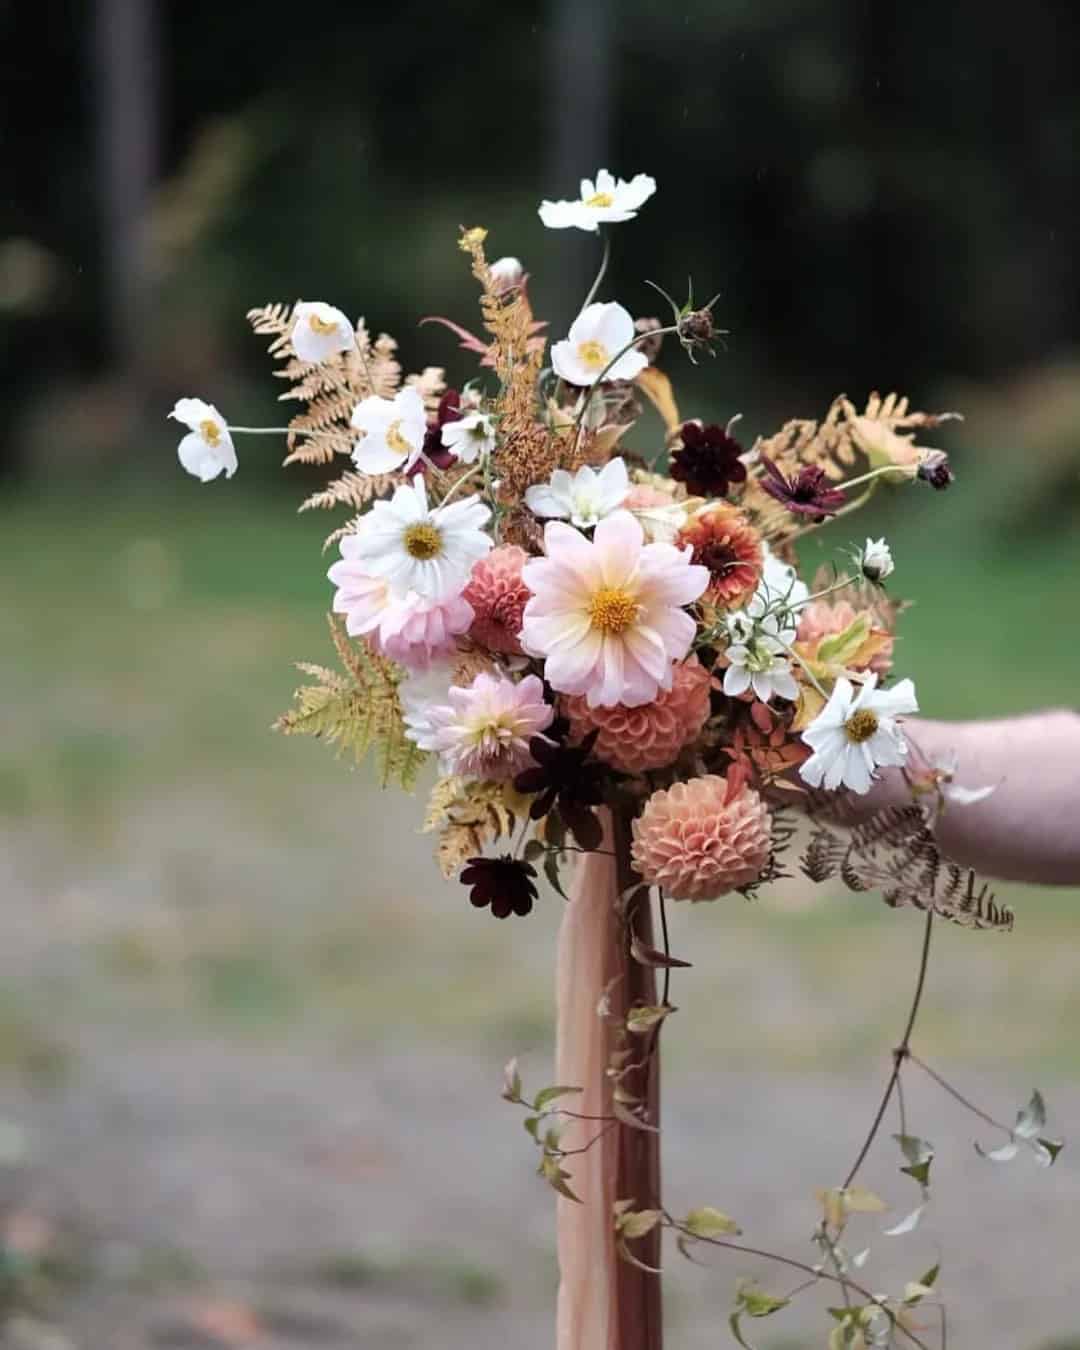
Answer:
(895, 852)
(357, 712)
(884, 430)
(469, 815)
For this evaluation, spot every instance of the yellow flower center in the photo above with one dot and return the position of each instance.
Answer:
(423, 541)
(323, 327)
(861, 725)
(592, 355)
(210, 432)
(612, 609)
(600, 199)
(395, 440)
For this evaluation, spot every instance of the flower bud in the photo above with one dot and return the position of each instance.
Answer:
(935, 470)
(506, 273)
(876, 561)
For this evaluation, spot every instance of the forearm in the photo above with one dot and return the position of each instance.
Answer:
(1028, 829)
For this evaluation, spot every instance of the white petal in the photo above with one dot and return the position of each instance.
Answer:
(736, 681)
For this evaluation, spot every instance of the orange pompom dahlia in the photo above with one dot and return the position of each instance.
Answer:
(727, 544)
(650, 736)
(701, 839)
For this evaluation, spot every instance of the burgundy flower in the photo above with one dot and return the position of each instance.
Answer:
(506, 884)
(708, 462)
(566, 777)
(809, 493)
(449, 410)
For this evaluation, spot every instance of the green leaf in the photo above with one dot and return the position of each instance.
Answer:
(920, 1171)
(511, 1082)
(551, 871)
(1032, 1119)
(736, 1331)
(554, 1175)
(533, 849)
(930, 1278)
(637, 1223)
(758, 1304)
(707, 1222)
(655, 959)
(640, 1020)
(1052, 1148)
(839, 649)
(550, 1094)
(531, 1124)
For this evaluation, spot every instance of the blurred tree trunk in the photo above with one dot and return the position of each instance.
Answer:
(127, 101)
(581, 62)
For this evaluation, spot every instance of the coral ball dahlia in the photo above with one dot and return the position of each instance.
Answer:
(498, 595)
(701, 839)
(634, 740)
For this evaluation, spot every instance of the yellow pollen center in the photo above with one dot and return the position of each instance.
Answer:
(612, 610)
(321, 326)
(600, 199)
(423, 542)
(861, 725)
(210, 432)
(593, 355)
(395, 440)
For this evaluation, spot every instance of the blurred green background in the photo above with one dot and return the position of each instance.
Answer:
(249, 1043)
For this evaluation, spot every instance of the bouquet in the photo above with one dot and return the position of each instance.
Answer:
(613, 653)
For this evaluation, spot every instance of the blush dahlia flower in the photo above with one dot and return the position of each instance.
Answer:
(701, 839)
(483, 731)
(633, 740)
(607, 613)
(498, 596)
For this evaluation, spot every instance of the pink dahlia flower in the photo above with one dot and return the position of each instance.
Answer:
(409, 629)
(483, 731)
(701, 839)
(650, 736)
(607, 614)
(498, 595)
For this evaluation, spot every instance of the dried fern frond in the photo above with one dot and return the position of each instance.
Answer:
(355, 490)
(886, 428)
(896, 853)
(357, 712)
(468, 816)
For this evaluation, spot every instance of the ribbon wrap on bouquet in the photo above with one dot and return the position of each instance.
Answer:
(605, 1303)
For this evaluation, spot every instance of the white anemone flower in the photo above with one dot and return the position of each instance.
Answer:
(759, 661)
(471, 437)
(208, 448)
(606, 201)
(596, 336)
(875, 561)
(856, 733)
(429, 552)
(320, 331)
(394, 431)
(584, 498)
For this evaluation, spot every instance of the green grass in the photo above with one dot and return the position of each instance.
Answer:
(227, 877)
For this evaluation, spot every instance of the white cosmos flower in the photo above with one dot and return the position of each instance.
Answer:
(394, 431)
(876, 560)
(606, 201)
(584, 497)
(596, 335)
(855, 733)
(779, 592)
(758, 660)
(470, 438)
(208, 448)
(429, 552)
(320, 331)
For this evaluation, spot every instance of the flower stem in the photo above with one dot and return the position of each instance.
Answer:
(605, 259)
(579, 421)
